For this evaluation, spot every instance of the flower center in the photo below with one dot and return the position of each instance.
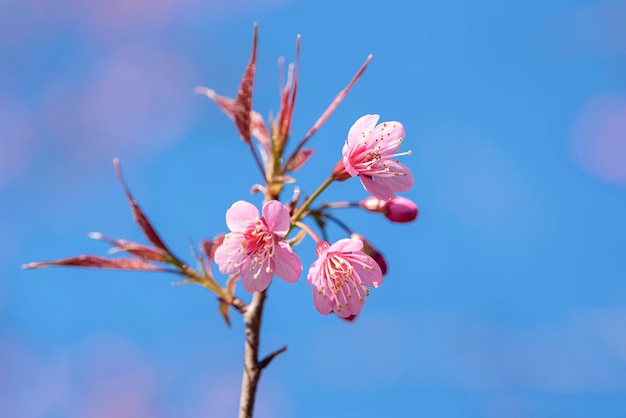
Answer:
(343, 281)
(257, 239)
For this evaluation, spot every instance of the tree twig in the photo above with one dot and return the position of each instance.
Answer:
(251, 367)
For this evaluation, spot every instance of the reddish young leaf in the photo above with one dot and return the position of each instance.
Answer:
(330, 109)
(138, 214)
(228, 106)
(299, 159)
(92, 261)
(288, 99)
(243, 102)
(133, 248)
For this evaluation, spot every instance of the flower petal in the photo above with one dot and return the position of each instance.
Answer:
(346, 245)
(323, 303)
(287, 264)
(256, 277)
(240, 214)
(228, 256)
(361, 129)
(389, 135)
(377, 189)
(354, 307)
(401, 182)
(345, 152)
(276, 217)
(371, 275)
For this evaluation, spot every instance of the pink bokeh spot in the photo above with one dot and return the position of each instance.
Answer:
(134, 105)
(16, 142)
(599, 138)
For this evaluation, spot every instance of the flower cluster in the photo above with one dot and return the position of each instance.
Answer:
(260, 244)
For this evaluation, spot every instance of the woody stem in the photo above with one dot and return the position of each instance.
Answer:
(251, 368)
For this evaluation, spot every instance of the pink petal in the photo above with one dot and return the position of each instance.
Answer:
(363, 125)
(345, 152)
(240, 214)
(400, 183)
(391, 134)
(377, 189)
(248, 270)
(371, 276)
(324, 305)
(314, 271)
(276, 217)
(287, 265)
(354, 308)
(346, 245)
(229, 255)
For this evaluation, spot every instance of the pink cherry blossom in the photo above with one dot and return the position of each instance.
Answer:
(369, 153)
(339, 277)
(255, 247)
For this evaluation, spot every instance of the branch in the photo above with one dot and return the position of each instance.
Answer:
(266, 361)
(251, 368)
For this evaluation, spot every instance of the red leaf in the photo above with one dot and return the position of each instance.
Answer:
(209, 247)
(243, 102)
(138, 214)
(228, 106)
(331, 108)
(288, 98)
(299, 159)
(133, 248)
(92, 261)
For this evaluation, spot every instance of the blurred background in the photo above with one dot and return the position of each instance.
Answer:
(507, 297)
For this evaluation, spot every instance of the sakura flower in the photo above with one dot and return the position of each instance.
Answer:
(255, 247)
(369, 153)
(339, 277)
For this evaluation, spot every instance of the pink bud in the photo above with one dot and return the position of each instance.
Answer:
(398, 209)
(371, 251)
(339, 172)
(350, 318)
(401, 210)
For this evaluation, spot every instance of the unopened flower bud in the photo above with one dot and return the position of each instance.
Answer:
(398, 209)
(371, 251)
(350, 318)
(339, 172)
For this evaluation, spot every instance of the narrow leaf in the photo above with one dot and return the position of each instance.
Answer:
(243, 102)
(133, 248)
(288, 99)
(92, 261)
(138, 214)
(331, 108)
(299, 159)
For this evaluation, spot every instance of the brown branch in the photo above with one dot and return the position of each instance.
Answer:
(266, 361)
(239, 305)
(251, 369)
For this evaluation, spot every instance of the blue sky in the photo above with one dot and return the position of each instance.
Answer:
(506, 298)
